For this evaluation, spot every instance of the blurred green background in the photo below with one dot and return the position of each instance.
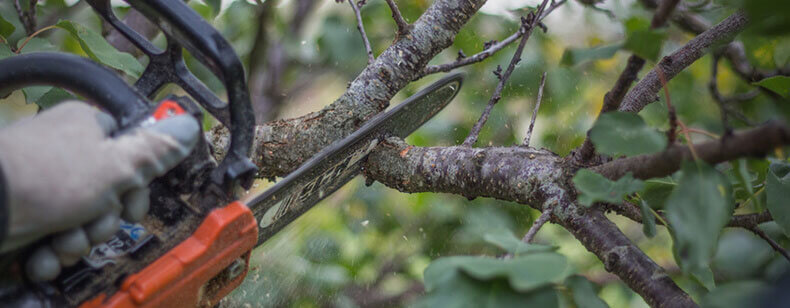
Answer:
(370, 245)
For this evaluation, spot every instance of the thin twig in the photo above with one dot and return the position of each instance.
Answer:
(671, 113)
(403, 26)
(361, 29)
(487, 52)
(714, 71)
(30, 37)
(770, 241)
(544, 217)
(535, 111)
(28, 21)
(527, 24)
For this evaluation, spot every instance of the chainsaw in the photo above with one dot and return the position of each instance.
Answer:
(193, 247)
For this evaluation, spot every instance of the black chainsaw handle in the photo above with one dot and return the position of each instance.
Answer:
(184, 27)
(82, 76)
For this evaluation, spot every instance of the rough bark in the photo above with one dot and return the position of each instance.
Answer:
(645, 92)
(538, 178)
(283, 145)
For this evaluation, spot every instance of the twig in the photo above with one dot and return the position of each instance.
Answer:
(632, 212)
(403, 26)
(644, 92)
(527, 24)
(753, 142)
(28, 20)
(671, 113)
(31, 36)
(487, 52)
(535, 111)
(544, 217)
(361, 29)
(770, 241)
(714, 71)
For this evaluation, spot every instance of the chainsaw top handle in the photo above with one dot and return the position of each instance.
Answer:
(82, 76)
(184, 28)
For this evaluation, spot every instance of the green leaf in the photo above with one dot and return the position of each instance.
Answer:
(6, 28)
(523, 273)
(648, 219)
(97, 48)
(657, 191)
(53, 97)
(625, 133)
(5, 51)
(574, 56)
(36, 44)
(646, 43)
(504, 239)
(594, 187)
(697, 211)
(778, 194)
(643, 41)
(583, 292)
(215, 5)
(778, 84)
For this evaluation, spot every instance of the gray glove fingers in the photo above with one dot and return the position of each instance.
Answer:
(106, 122)
(153, 150)
(135, 204)
(71, 245)
(103, 228)
(43, 264)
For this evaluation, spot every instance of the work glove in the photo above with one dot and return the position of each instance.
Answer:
(67, 177)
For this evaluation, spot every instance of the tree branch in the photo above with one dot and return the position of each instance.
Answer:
(527, 24)
(632, 212)
(487, 52)
(283, 145)
(526, 176)
(753, 142)
(613, 98)
(403, 26)
(645, 91)
(530, 236)
(778, 248)
(361, 29)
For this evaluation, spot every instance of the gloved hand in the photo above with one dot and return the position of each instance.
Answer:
(65, 176)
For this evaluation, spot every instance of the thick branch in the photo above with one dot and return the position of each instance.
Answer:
(284, 145)
(645, 91)
(526, 176)
(753, 142)
(508, 173)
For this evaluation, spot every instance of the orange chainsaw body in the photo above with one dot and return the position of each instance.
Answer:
(198, 272)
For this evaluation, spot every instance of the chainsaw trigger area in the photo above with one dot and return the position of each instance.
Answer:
(198, 272)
